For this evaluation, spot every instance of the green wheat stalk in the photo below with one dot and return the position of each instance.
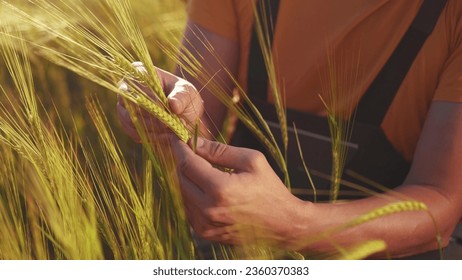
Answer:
(339, 84)
(263, 29)
(56, 187)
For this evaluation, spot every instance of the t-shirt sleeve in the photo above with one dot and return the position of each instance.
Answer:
(217, 16)
(450, 82)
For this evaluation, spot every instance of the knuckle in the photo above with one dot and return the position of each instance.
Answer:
(189, 92)
(212, 215)
(218, 215)
(184, 164)
(200, 229)
(220, 198)
(217, 149)
(255, 159)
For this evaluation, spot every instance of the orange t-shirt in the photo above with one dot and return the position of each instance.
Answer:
(318, 43)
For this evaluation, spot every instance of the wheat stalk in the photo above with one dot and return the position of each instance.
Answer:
(339, 85)
(120, 208)
(263, 29)
(57, 188)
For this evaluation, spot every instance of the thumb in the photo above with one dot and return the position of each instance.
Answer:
(239, 159)
(185, 101)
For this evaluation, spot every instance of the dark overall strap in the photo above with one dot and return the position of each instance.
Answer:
(257, 78)
(374, 105)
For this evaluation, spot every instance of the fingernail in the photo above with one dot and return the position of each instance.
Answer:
(139, 66)
(123, 86)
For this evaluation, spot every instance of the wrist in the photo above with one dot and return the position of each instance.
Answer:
(299, 228)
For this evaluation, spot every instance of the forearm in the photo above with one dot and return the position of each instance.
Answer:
(405, 233)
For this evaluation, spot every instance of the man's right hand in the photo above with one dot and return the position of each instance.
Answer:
(183, 99)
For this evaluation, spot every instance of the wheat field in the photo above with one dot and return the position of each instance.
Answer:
(72, 184)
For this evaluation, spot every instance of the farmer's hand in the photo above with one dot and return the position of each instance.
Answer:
(183, 100)
(235, 207)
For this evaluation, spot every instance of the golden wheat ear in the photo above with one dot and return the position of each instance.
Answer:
(141, 94)
(361, 251)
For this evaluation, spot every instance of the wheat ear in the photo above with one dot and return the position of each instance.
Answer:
(363, 250)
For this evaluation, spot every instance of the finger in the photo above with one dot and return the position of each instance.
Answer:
(184, 99)
(223, 234)
(198, 170)
(126, 122)
(126, 84)
(123, 87)
(227, 235)
(239, 159)
(141, 69)
(201, 207)
(199, 221)
(150, 128)
(192, 194)
(204, 227)
(132, 112)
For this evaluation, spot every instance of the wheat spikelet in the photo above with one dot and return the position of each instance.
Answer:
(392, 208)
(137, 71)
(169, 119)
(389, 209)
(362, 250)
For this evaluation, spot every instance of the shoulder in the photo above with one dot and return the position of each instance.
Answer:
(226, 18)
(451, 22)
(448, 39)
